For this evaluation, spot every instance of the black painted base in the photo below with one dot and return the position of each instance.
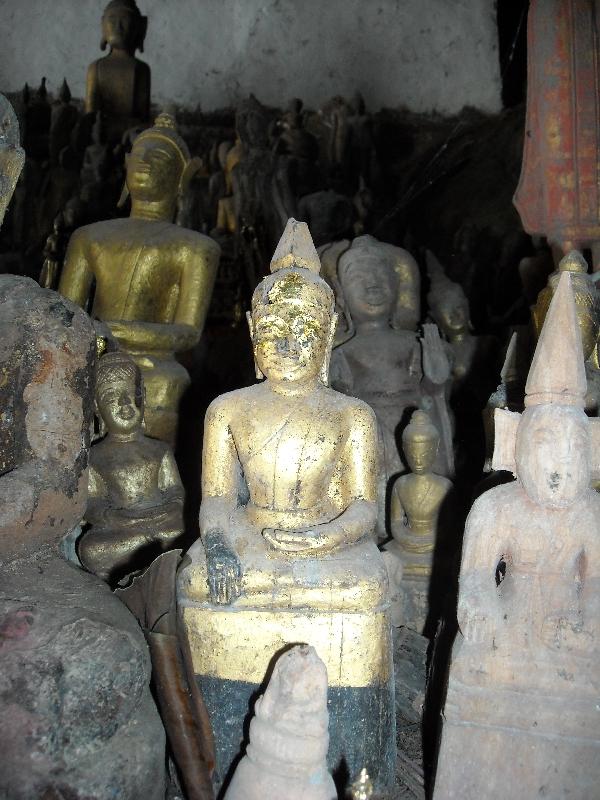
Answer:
(362, 729)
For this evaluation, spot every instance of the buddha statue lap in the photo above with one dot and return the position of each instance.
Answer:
(379, 358)
(118, 84)
(288, 508)
(151, 280)
(524, 675)
(418, 500)
(135, 504)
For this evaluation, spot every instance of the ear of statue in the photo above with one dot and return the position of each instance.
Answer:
(103, 44)
(193, 167)
(595, 446)
(324, 374)
(259, 374)
(505, 439)
(143, 28)
(11, 163)
(123, 196)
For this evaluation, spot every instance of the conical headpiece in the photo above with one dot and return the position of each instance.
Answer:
(557, 373)
(296, 249)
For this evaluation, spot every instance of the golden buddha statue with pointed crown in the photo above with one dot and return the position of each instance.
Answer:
(151, 281)
(289, 485)
(524, 677)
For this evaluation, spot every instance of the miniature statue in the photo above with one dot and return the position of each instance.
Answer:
(557, 195)
(299, 149)
(379, 359)
(287, 752)
(288, 508)
(588, 317)
(66, 643)
(153, 279)
(416, 502)
(119, 84)
(64, 118)
(135, 506)
(53, 255)
(524, 677)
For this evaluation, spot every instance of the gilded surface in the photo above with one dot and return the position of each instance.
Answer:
(151, 280)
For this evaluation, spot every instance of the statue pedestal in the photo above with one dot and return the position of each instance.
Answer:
(339, 604)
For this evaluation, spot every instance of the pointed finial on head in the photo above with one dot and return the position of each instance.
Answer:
(64, 94)
(296, 249)
(573, 262)
(557, 373)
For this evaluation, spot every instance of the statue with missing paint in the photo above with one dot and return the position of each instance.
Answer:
(288, 509)
(524, 677)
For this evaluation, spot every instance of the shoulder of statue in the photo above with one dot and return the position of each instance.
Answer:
(488, 507)
(229, 404)
(356, 411)
(198, 243)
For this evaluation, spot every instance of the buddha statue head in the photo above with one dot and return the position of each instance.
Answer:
(377, 283)
(159, 167)
(292, 321)
(12, 156)
(420, 441)
(123, 27)
(252, 123)
(447, 301)
(549, 446)
(119, 394)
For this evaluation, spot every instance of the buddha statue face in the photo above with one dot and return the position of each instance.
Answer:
(420, 441)
(291, 332)
(122, 26)
(119, 394)
(553, 454)
(154, 169)
(369, 287)
(451, 313)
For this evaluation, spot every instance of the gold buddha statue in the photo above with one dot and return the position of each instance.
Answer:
(135, 505)
(151, 281)
(118, 84)
(588, 316)
(289, 486)
(416, 502)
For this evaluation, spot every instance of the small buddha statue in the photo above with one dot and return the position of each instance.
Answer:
(380, 359)
(289, 489)
(135, 505)
(151, 280)
(298, 149)
(119, 84)
(588, 316)
(287, 752)
(416, 502)
(524, 676)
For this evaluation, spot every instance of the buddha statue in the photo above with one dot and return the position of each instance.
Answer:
(288, 508)
(151, 280)
(524, 676)
(417, 499)
(287, 753)
(135, 505)
(118, 84)
(587, 306)
(297, 150)
(380, 359)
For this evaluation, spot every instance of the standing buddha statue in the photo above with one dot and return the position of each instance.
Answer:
(524, 676)
(118, 84)
(288, 509)
(151, 280)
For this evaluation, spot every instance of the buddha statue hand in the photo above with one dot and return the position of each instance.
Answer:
(304, 541)
(223, 567)
(436, 365)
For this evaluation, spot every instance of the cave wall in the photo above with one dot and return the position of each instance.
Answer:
(427, 55)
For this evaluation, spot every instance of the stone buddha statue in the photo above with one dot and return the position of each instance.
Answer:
(151, 281)
(587, 306)
(135, 503)
(380, 359)
(524, 676)
(416, 502)
(288, 508)
(118, 84)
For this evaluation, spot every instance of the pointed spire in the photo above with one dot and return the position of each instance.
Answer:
(557, 373)
(64, 94)
(296, 249)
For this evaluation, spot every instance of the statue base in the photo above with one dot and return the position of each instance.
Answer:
(233, 649)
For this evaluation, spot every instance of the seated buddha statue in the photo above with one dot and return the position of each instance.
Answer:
(135, 500)
(380, 359)
(118, 84)
(417, 500)
(151, 281)
(288, 508)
